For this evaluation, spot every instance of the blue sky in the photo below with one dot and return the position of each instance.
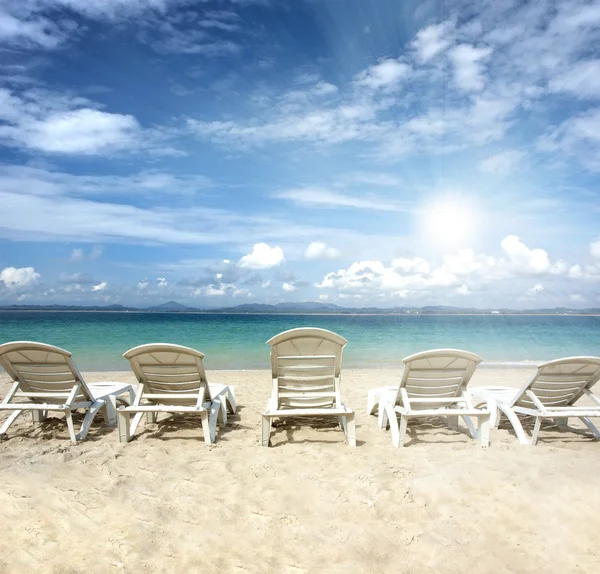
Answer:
(357, 152)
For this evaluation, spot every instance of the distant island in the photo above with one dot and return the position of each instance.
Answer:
(306, 308)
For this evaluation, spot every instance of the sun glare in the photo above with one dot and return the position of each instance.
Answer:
(449, 222)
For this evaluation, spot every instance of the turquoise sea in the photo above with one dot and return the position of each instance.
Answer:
(97, 340)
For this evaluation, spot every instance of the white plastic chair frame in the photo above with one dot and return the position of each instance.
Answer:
(434, 385)
(171, 379)
(46, 376)
(550, 394)
(306, 365)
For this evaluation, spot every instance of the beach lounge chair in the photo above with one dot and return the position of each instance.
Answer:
(46, 378)
(434, 384)
(549, 394)
(172, 380)
(306, 367)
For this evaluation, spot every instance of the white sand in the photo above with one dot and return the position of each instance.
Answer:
(166, 502)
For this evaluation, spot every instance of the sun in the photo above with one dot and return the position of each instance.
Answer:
(449, 222)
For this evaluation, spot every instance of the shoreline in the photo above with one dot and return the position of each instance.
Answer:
(485, 365)
(300, 313)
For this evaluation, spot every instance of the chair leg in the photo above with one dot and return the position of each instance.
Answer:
(483, 429)
(343, 424)
(38, 416)
(382, 416)
(231, 405)
(89, 417)
(215, 410)
(223, 412)
(590, 425)
(453, 422)
(536, 430)
(516, 423)
(206, 427)
(69, 417)
(350, 429)
(110, 410)
(266, 430)
(123, 419)
(402, 430)
(562, 422)
(472, 430)
(9, 421)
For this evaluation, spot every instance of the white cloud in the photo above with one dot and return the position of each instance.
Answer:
(502, 163)
(432, 40)
(462, 270)
(578, 138)
(59, 124)
(576, 297)
(469, 67)
(531, 260)
(143, 285)
(17, 278)
(319, 250)
(595, 248)
(100, 287)
(262, 257)
(323, 297)
(288, 287)
(321, 197)
(581, 80)
(161, 282)
(385, 74)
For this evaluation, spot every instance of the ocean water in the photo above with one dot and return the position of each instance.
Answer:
(98, 340)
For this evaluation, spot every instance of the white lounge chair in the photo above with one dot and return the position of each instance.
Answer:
(47, 378)
(549, 394)
(433, 385)
(172, 380)
(306, 367)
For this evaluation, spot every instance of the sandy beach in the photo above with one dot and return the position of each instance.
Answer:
(167, 502)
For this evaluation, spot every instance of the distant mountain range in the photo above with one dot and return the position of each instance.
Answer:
(306, 308)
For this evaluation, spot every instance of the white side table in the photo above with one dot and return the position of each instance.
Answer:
(109, 391)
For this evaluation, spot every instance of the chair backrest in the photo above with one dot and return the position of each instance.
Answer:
(561, 382)
(43, 370)
(169, 370)
(439, 373)
(306, 365)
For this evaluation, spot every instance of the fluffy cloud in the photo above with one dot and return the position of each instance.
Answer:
(59, 124)
(162, 282)
(17, 278)
(595, 248)
(469, 66)
(143, 285)
(288, 287)
(529, 260)
(100, 287)
(462, 270)
(432, 40)
(319, 250)
(262, 257)
(385, 74)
